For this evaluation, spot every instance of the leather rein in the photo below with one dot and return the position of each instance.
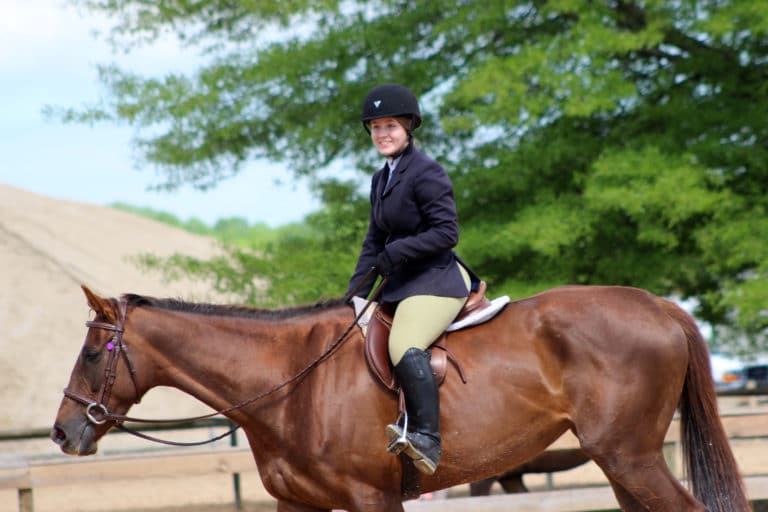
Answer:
(98, 414)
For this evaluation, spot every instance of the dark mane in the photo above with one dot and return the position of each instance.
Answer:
(232, 310)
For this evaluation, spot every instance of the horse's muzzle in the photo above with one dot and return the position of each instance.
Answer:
(82, 444)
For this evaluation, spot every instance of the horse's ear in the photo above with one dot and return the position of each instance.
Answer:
(103, 307)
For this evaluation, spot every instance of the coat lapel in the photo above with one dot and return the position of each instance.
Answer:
(402, 166)
(382, 181)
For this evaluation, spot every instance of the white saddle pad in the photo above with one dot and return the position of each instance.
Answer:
(480, 316)
(475, 318)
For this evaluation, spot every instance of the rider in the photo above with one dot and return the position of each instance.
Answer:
(412, 231)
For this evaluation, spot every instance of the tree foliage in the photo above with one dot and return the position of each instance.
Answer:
(618, 142)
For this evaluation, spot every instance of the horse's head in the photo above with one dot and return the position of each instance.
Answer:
(102, 384)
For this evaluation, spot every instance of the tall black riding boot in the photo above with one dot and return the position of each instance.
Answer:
(422, 403)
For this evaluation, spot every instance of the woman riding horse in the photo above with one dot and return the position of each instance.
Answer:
(412, 231)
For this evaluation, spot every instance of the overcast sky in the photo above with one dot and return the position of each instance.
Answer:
(48, 57)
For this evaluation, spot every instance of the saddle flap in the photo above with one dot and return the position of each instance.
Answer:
(377, 351)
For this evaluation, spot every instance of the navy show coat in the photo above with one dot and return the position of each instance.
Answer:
(414, 219)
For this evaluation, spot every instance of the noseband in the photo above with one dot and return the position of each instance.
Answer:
(116, 348)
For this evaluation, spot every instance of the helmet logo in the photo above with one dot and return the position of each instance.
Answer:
(377, 103)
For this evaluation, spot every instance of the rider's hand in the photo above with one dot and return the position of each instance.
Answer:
(384, 264)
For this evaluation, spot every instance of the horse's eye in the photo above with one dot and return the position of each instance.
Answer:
(90, 355)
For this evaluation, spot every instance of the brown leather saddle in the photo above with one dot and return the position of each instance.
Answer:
(377, 342)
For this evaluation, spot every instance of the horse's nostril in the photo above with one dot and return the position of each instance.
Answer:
(58, 435)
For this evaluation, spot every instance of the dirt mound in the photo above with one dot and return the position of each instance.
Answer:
(48, 248)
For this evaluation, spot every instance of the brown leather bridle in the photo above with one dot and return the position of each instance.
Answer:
(116, 348)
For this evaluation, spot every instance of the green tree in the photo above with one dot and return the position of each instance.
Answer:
(618, 142)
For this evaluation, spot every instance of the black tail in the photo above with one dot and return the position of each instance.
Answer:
(709, 462)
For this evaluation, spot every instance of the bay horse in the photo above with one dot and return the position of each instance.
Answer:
(612, 364)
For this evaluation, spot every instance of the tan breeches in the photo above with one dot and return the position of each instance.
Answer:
(420, 319)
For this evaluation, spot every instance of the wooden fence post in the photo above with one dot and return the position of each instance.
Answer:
(26, 503)
(235, 476)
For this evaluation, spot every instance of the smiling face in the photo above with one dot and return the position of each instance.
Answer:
(388, 135)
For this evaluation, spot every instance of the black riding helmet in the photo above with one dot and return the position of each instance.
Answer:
(390, 100)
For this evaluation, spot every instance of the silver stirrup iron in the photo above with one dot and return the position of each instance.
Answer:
(401, 443)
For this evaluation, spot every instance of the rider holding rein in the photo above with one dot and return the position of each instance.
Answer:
(411, 235)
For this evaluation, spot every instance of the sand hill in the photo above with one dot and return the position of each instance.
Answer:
(48, 247)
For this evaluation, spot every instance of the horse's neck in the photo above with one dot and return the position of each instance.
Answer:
(221, 361)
